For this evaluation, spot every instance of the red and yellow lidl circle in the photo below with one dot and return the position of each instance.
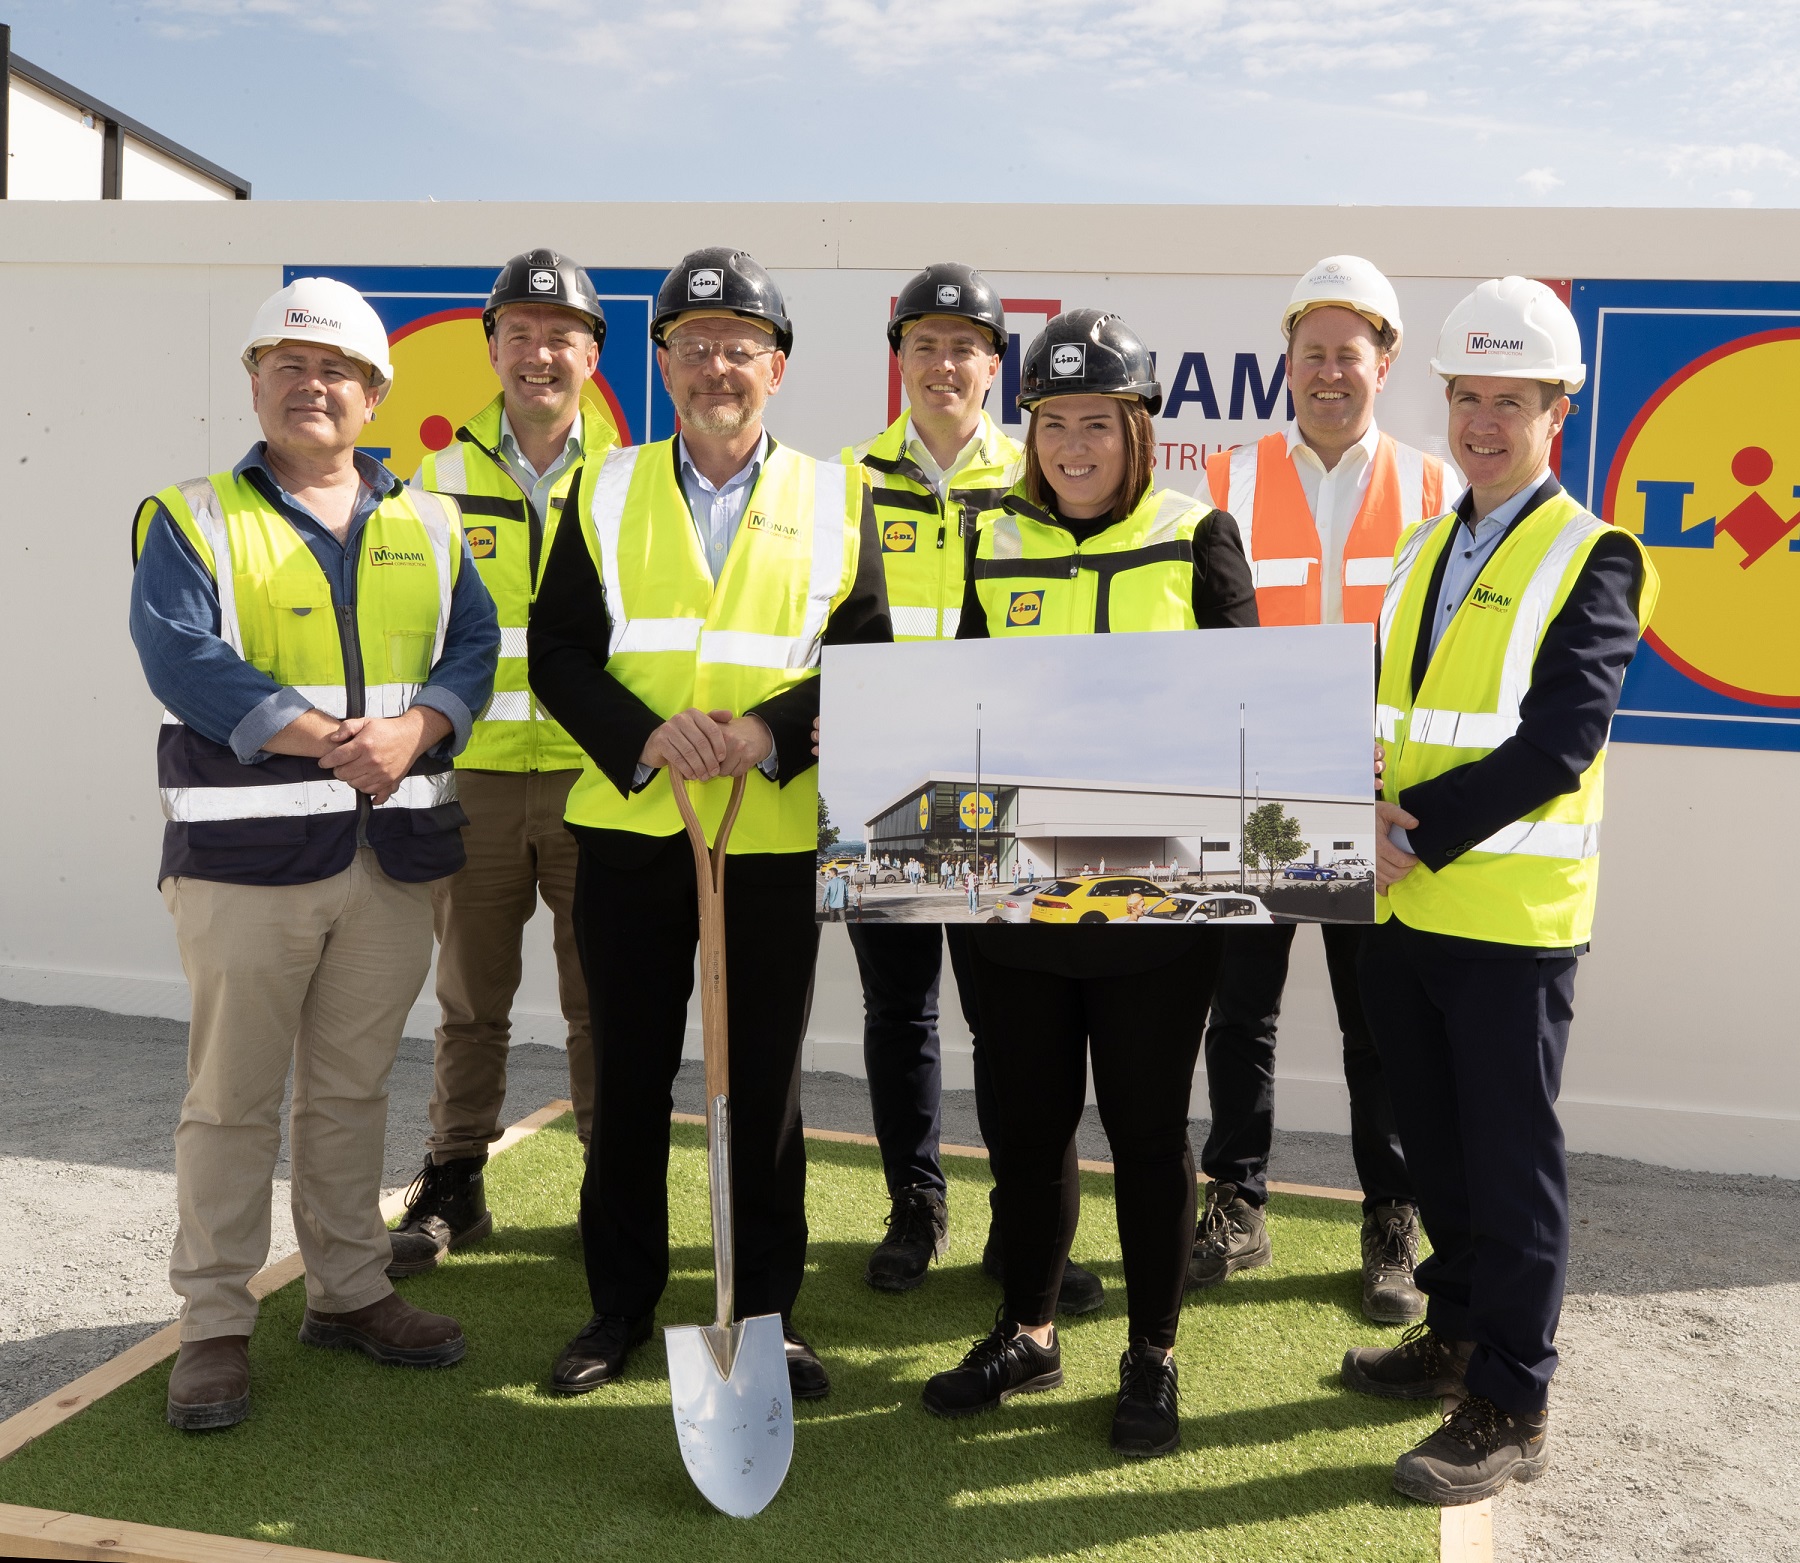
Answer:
(925, 812)
(1708, 475)
(441, 380)
(976, 810)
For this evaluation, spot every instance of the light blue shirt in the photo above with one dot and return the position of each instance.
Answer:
(718, 511)
(526, 475)
(1470, 549)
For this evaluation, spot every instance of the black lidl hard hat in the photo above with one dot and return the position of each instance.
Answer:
(544, 277)
(950, 288)
(1087, 352)
(718, 278)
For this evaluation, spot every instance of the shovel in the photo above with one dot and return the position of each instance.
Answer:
(728, 1381)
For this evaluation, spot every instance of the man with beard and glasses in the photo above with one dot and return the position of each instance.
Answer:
(676, 637)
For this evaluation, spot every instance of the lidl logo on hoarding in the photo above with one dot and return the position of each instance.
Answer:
(439, 351)
(899, 537)
(1025, 608)
(1691, 440)
(975, 810)
(925, 812)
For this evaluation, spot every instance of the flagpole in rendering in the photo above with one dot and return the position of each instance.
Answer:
(978, 803)
(1241, 847)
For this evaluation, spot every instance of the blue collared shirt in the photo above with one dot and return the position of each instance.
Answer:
(527, 476)
(1471, 546)
(718, 511)
(204, 682)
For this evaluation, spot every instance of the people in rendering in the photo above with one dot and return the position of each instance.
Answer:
(1092, 545)
(321, 642)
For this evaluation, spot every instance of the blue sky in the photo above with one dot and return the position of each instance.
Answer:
(1579, 102)
(1157, 709)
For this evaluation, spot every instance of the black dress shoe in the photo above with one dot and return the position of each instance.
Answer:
(1081, 1290)
(807, 1378)
(1007, 1363)
(598, 1354)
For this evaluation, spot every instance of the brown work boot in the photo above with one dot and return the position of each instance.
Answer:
(391, 1331)
(210, 1386)
(1390, 1251)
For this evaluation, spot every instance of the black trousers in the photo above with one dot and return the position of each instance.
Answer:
(901, 965)
(637, 929)
(1474, 1053)
(1142, 1031)
(1240, 1065)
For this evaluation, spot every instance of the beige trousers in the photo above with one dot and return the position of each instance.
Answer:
(518, 847)
(318, 976)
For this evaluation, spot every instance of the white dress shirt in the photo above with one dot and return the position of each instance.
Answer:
(937, 476)
(1334, 497)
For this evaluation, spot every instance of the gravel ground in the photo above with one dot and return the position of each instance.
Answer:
(1676, 1412)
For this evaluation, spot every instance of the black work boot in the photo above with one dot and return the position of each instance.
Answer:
(446, 1207)
(1390, 1250)
(1231, 1236)
(1081, 1290)
(1477, 1451)
(1147, 1418)
(1424, 1366)
(918, 1231)
(1005, 1363)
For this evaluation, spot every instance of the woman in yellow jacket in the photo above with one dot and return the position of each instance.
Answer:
(1086, 543)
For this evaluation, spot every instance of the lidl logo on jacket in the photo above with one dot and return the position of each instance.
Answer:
(900, 537)
(481, 542)
(1025, 608)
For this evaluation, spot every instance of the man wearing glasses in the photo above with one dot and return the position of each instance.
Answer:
(676, 637)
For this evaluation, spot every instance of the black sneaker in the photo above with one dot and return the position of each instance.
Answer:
(1231, 1236)
(1477, 1451)
(1424, 1366)
(598, 1353)
(446, 1207)
(1147, 1419)
(1007, 1362)
(1390, 1251)
(918, 1231)
(1081, 1290)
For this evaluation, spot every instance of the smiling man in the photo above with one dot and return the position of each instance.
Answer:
(1320, 507)
(320, 643)
(1505, 636)
(676, 636)
(511, 469)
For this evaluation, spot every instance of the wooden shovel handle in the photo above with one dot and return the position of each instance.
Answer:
(709, 874)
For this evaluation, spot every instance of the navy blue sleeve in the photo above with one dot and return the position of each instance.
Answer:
(1563, 719)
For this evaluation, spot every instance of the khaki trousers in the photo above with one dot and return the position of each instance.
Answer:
(320, 976)
(518, 847)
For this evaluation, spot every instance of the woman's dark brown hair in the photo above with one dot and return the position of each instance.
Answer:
(1140, 462)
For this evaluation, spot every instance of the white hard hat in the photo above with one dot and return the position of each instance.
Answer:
(321, 309)
(1349, 282)
(1512, 328)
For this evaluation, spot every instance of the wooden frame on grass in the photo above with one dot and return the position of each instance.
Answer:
(1465, 1535)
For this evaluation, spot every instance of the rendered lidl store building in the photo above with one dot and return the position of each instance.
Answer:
(1058, 825)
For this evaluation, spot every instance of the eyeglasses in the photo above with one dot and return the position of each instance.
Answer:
(693, 351)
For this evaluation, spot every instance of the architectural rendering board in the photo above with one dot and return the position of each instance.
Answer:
(1100, 778)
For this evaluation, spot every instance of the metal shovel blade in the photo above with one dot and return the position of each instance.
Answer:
(733, 1413)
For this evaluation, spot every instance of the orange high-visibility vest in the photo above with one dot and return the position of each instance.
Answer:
(1259, 485)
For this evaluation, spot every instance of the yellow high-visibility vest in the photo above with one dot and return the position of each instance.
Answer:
(1535, 881)
(510, 545)
(680, 641)
(922, 547)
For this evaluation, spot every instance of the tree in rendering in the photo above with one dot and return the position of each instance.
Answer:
(1271, 837)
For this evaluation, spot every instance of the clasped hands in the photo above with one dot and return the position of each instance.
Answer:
(700, 745)
(370, 753)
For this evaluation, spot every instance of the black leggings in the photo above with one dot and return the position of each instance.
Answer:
(1144, 1032)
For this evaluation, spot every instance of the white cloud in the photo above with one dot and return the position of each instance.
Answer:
(1745, 158)
(1540, 181)
(1740, 198)
(1415, 99)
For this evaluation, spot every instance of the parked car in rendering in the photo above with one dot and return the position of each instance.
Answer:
(1214, 907)
(1354, 867)
(1013, 905)
(1095, 898)
(1309, 871)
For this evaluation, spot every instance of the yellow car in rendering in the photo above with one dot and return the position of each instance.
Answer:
(1091, 898)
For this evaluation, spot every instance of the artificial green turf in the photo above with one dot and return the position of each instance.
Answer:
(480, 1463)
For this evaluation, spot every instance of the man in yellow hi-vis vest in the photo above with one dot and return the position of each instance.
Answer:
(320, 644)
(510, 469)
(676, 637)
(1504, 639)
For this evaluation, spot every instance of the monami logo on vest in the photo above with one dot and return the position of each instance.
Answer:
(899, 537)
(1025, 608)
(1487, 597)
(757, 521)
(386, 555)
(1482, 342)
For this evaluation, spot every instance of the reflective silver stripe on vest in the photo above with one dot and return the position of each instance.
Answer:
(1387, 722)
(507, 705)
(658, 635)
(378, 699)
(1544, 838)
(288, 800)
(1008, 542)
(203, 500)
(438, 515)
(1370, 570)
(1462, 729)
(833, 485)
(1280, 572)
(915, 621)
(606, 514)
(512, 640)
(952, 621)
(1412, 484)
(1403, 567)
(450, 472)
(1240, 495)
(1174, 510)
